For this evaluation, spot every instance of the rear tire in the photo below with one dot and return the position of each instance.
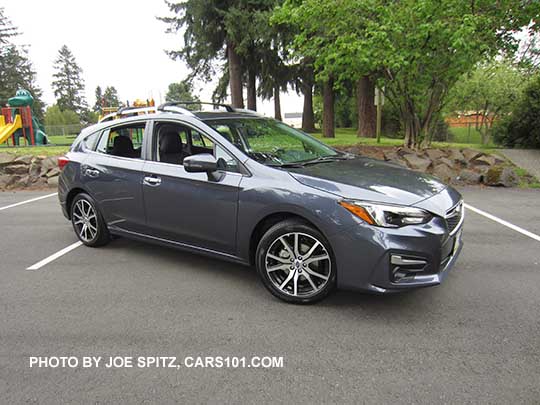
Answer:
(87, 221)
(295, 262)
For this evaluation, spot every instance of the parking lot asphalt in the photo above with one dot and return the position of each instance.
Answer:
(474, 339)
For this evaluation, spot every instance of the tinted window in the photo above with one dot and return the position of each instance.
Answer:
(123, 141)
(174, 142)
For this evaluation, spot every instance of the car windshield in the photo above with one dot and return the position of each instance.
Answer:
(271, 142)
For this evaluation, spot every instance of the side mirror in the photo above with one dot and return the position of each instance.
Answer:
(201, 163)
(205, 163)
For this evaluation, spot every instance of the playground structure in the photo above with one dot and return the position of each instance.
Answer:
(138, 107)
(18, 123)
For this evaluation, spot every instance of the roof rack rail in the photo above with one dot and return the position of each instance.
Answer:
(127, 111)
(177, 103)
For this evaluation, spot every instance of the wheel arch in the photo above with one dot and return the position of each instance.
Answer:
(70, 196)
(267, 222)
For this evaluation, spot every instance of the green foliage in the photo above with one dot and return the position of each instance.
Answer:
(68, 84)
(110, 97)
(490, 91)
(99, 99)
(182, 91)
(522, 127)
(7, 30)
(417, 48)
(56, 116)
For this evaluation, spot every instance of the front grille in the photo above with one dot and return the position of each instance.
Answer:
(453, 216)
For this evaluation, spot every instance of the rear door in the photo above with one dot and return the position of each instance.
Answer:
(191, 208)
(113, 175)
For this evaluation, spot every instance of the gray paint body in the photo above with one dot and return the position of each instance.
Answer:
(193, 212)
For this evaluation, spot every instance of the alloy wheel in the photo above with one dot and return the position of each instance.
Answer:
(85, 220)
(298, 264)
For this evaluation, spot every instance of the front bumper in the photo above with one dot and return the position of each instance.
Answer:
(376, 259)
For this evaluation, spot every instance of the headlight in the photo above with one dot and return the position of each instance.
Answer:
(388, 216)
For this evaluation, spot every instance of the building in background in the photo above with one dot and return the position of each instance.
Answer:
(293, 119)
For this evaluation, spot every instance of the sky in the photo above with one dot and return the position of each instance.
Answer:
(116, 42)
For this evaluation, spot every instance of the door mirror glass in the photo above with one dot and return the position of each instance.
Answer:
(201, 163)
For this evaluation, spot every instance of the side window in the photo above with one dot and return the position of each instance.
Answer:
(174, 142)
(230, 163)
(124, 141)
(89, 143)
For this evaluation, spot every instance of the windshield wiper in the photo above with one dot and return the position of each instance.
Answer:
(324, 159)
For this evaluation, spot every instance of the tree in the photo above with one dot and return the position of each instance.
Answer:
(521, 128)
(68, 85)
(205, 40)
(182, 91)
(7, 30)
(491, 91)
(99, 99)
(110, 97)
(367, 113)
(235, 31)
(54, 116)
(417, 49)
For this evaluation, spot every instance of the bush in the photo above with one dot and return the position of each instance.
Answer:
(522, 127)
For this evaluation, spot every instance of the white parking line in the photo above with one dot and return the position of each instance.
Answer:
(54, 256)
(27, 201)
(503, 222)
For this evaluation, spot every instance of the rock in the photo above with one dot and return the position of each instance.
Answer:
(484, 160)
(374, 154)
(40, 182)
(35, 169)
(501, 176)
(52, 181)
(5, 180)
(456, 156)
(55, 171)
(435, 154)
(444, 173)
(47, 164)
(16, 169)
(6, 159)
(26, 159)
(446, 161)
(417, 163)
(471, 154)
(391, 155)
(402, 151)
(469, 176)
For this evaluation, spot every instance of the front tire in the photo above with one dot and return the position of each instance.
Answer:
(295, 262)
(88, 222)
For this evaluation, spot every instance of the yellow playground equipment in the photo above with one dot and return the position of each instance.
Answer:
(7, 130)
(142, 106)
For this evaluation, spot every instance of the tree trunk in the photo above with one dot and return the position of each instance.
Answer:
(367, 112)
(328, 109)
(277, 104)
(308, 117)
(252, 91)
(235, 77)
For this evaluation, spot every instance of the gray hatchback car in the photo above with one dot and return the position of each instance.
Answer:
(238, 186)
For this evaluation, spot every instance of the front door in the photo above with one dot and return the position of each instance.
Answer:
(190, 208)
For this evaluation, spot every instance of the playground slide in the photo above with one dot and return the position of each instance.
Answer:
(7, 130)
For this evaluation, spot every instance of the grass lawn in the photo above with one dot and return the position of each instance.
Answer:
(347, 137)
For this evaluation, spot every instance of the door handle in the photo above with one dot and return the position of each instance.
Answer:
(92, 173)
(152, 181)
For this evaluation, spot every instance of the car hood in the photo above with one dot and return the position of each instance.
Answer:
(369, 179)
